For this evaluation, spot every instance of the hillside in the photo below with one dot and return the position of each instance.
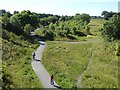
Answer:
(16, 62)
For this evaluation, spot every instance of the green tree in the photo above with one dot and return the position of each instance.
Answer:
(28, 28)
(4, 12)
(43, 21)
(49, 35)
(61, 26)
(77, 17)
(111, 28)
(107, 14)
(51, 26)
(74, 30)
(62, 18)
(14, 20)
(87, 30)
(52, 19)
(16, 25)
(85, 17)
(118, 50)
(5, 21)
(26, 17)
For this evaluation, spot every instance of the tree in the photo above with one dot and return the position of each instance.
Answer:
(14, 20)
(82, 18)
(74, 30)
(5, 21)
(88, 30)
(26, 17)
(43, 21)
(51, 26)
(52, 19)
(85, 17)
(77, 17)
(111, 29)
(16, 25)
(107, 14)
(16, 12)
(4, 12)
(62, 18)
(28, 28)
(61, 26)
(48, 34)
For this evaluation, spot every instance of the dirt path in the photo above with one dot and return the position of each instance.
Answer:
(81, 76)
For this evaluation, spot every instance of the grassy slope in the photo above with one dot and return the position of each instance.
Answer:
(66, 62)
(17, 62)
(103, 72)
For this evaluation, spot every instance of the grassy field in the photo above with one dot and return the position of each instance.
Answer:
(16, 63)
(103, 72)
(66, 61)
(95, 25)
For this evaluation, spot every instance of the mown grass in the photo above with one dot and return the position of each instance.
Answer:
(78, 38)
(66, 61)
(17, 63)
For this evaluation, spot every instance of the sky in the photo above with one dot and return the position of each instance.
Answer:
(61, 7)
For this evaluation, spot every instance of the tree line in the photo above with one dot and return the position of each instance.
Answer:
(111, 28)
(22, 23)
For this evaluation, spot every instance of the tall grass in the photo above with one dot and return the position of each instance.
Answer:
(16, 63)
(103, 72)
(66, 61)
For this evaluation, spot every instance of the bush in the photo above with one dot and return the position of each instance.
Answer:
(111, 29)
(118, 51)
(7, 82)
(71, 37)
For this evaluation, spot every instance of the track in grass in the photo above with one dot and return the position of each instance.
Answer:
(80, 77)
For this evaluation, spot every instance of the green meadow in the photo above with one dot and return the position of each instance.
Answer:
(67, 61)
(81, 52)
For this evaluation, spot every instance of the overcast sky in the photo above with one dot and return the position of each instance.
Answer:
(61, 7)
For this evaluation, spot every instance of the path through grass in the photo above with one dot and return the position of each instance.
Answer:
(66, 61)
(103, 72)
(16, 63)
